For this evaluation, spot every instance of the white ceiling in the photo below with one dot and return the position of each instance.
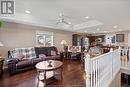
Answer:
(106, 13)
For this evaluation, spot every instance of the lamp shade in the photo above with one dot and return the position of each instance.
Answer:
(63, 42)
(1, 44)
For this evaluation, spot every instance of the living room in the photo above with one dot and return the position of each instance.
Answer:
(55, 41)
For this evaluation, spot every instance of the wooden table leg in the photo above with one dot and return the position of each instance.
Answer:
(45, 78)
(61, 69)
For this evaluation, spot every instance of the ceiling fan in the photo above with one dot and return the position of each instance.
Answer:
(61, 19)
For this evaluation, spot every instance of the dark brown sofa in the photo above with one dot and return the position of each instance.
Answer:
(15, 65)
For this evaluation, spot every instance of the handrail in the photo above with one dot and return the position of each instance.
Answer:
(100, 70)
(97, 57)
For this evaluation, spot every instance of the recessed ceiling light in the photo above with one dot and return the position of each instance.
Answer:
(69, 23)
(87, 17)
(27, 11)
(115, 26)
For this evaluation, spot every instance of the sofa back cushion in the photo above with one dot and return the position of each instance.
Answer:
(45, 50)
(28, 53)
(18, 56)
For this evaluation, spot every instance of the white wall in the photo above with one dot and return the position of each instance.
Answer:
(14, 35)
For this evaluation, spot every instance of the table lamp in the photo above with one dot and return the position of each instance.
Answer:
(1, 44)
(64, 43)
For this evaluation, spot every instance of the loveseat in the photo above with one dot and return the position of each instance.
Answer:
(21, 59)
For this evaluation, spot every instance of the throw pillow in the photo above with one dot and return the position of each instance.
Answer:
(42, 56)
(53, 53)
(18, 56)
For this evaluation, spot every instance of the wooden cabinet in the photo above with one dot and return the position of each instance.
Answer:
(120, 37)
(76, 40)
(1, 66)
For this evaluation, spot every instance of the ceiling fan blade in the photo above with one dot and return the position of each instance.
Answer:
(57, 23)
(65, 22)
(61, 19)
(61, 15)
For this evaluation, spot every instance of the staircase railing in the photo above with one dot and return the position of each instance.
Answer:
(101, 70)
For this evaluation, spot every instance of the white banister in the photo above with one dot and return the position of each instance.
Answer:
(100, 70)
(88, 70)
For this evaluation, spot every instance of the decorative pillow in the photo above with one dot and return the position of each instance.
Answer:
(18, 56)
(53, 53)
(42, 56)
(73, 49)
(28, 53)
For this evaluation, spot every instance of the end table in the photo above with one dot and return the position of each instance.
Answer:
(1, 65)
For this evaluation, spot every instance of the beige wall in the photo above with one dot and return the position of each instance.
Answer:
(125, 43)
(14, 35)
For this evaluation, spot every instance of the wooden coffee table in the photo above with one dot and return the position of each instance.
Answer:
(46, 70)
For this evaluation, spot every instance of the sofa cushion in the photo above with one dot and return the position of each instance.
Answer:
(49, 51)
(40, 50)
(56, 57)
(36, 60)
(45, 50)
(53, 57)
(24, 63)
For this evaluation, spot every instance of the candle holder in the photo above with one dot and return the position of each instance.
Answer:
(49, 63)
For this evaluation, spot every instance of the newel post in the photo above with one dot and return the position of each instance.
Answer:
(111, 49)
(88, 70)
(119, 47)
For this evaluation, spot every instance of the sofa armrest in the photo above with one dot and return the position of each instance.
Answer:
(12, 65)
(12, 60)
(58, 53)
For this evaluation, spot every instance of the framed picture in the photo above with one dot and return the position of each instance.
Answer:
(44, 38)
(120, 37)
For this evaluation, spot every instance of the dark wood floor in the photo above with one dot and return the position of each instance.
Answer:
(72, 77)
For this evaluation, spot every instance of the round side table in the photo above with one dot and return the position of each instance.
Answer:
(46, 70)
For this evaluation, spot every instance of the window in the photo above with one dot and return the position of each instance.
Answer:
(44, 38)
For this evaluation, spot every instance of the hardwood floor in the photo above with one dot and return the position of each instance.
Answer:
(72, 77)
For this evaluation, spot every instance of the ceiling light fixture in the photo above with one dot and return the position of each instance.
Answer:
(69, 23)
(115, 26)
(27, 11)
(85, 31)
(87, 17)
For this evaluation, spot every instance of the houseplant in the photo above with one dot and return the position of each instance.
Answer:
(0, 24)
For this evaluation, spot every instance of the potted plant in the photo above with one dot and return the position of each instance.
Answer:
(0, 24)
